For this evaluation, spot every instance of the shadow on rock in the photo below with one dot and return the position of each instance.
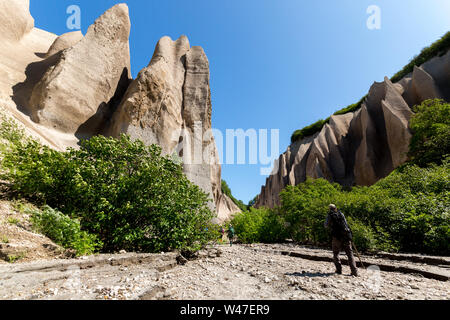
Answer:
(100, 121)
(22, 91)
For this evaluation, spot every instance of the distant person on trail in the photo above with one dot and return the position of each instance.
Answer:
(231, 234)
(222, 232)
(341, 238)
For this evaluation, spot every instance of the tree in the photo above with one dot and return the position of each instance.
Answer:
(431, 132)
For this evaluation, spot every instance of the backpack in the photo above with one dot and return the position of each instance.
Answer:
(339, 226)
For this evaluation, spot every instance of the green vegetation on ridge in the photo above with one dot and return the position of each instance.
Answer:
(438, 48)
(227, 191)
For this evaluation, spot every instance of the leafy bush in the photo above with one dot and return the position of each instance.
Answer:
(122, 191)
(247, 226)
(363, 236)
(10, 133)
(431, 127)
(64, 231)
(259, 225)
(304, 211)
(407, 211)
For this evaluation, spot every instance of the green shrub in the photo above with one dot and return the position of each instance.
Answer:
(363, 236)
(64, 231)
(14, 221)
(431, 132)
(247, 224)
(10, 133)
(125, 193)
(303, 210)
(407, 211)
(411, 179)
(259, 225)
(15, 257)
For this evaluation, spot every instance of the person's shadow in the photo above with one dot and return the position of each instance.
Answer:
(309, 274)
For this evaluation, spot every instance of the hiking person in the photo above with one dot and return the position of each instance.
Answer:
(222, 232)
(231, 234)
(341, 239)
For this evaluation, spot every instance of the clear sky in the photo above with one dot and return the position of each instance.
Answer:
(275, 64)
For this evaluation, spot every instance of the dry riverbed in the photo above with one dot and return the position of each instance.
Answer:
(237, 272)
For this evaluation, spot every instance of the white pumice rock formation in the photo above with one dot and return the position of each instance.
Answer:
(76, 91)
(64, 41)
(169, 104)
(65, 88)
(359, 148)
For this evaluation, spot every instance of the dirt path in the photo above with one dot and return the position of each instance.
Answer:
(239, 272)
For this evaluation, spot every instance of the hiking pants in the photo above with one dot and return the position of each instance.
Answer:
(345, 245)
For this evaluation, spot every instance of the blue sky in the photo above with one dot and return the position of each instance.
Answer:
(275, 64)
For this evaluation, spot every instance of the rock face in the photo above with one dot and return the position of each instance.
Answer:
(152, 107)
(70, 87)
(359, 148)
(16, 20)
(64, 41)
(169, 104)
(21, 45)
(76, 91)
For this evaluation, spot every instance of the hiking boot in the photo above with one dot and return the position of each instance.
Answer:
(354, 273)
(338, 271)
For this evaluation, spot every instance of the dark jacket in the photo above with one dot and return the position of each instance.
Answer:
(338, 225)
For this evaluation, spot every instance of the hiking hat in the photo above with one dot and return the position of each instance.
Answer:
(332, 206)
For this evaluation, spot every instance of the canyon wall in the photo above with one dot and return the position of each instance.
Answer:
(359, 148)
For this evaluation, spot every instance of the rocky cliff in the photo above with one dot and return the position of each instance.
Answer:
(169, 104)
(70, 87)
(359, 148)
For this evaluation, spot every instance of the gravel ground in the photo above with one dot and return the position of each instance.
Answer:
(243, 273)
(239, 272)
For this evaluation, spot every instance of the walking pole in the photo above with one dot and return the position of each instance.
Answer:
(357, 253)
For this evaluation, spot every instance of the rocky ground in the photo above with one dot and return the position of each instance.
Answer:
(243, 273)
(237, 272)
(18, 241)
